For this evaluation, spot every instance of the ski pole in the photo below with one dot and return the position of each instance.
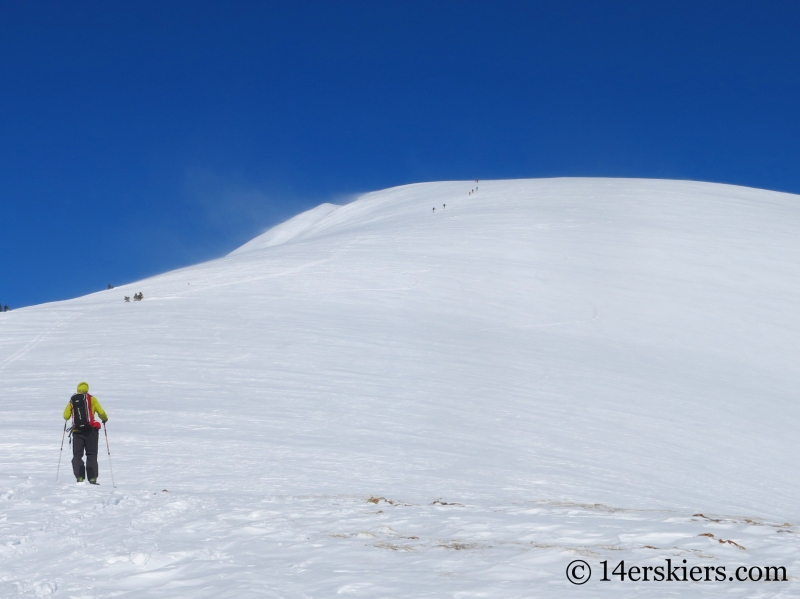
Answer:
(61, 451)
(109, 457)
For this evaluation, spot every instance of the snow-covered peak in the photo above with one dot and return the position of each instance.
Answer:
(287, 230)
(447, 389)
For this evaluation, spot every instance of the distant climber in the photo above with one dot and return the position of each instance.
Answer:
(434, 208)
(444, 205)
(85, 432)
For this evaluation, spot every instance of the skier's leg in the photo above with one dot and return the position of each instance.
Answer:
(91, 453)
(77, 456)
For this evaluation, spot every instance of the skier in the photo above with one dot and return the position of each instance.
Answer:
(85, 432)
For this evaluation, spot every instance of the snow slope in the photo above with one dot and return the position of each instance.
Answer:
(286, 231)
(542, 371)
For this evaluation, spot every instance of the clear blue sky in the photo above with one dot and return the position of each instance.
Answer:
(138, 137)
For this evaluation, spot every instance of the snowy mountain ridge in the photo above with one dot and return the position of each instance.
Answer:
(288, 230)
(383, 400)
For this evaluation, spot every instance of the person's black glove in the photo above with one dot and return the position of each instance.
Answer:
(105, 419)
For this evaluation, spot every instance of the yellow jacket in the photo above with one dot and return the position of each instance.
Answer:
(96, 408)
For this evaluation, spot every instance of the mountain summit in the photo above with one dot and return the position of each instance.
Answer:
(383, 399)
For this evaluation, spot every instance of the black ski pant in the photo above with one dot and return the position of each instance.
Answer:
(85, 442)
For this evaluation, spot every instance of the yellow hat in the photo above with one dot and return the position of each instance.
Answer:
(83, 387)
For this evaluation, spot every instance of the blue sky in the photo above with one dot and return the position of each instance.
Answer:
(143, 136)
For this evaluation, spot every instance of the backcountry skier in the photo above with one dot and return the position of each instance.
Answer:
(85, 432)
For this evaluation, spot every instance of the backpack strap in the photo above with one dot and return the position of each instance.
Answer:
(91, 410)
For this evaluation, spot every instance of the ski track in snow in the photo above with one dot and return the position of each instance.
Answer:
(380, 401)
(30, 345)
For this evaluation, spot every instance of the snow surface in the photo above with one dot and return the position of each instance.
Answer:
(542, 371)
(286, 231)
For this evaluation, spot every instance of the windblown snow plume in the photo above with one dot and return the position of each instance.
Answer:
(386, 400)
